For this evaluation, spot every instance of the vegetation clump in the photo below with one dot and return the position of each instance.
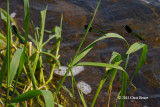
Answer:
(27, 59)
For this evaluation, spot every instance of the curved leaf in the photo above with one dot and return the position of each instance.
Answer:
(89, 47)
(48, 97)
(50, 38)
(100, 65)
(135, 47)
(52, 57)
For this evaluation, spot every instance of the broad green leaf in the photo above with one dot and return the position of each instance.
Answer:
(141, 60)
(1, 102)
(48, 97)
(26, 96)
(52, 57)
(14, 64)
(89, 47)
(135, 47)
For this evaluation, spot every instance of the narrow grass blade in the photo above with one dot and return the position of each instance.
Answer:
(26, 21)
(14, 64)
(4, 16)
(100, 65)
(50, 38)
(89, 47)
(8, 51)
(43, 18)
(79, 91)
(142, 60)
(87, 30)
(52, 57)
(116, 57)
(48, 97)
(71, 64)
(123, 90)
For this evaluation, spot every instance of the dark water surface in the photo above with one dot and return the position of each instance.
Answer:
(112, 14)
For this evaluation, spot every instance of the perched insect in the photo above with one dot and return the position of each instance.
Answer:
(129, 30)
(93, 30)
(15, 31)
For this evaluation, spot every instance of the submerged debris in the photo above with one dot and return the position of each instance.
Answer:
(62, 70)
(86, 88)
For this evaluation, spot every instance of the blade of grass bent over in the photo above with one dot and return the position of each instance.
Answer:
(89, 47)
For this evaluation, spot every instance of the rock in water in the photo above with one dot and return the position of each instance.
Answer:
(86, 88)
(75, 70)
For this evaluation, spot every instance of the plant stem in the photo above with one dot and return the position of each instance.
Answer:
(8, 51)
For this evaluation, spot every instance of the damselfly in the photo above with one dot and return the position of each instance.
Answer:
(93, 30)
(15, 31)
(129, 30)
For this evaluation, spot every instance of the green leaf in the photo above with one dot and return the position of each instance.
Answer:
(116, 57)
(1, 102)
(48, 97)
(26, 96)
(142, 59)
(43, 18)
(89, 47)
(50, 38)
(135, 47)
(12, 105)
(100, 65)
(14, 64)
(123, 90)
